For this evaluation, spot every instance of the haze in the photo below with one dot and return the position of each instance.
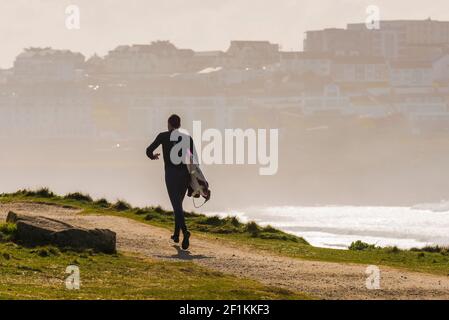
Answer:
(200, 25)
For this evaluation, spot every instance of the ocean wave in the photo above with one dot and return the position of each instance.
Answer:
(442, 206)
(338, 226)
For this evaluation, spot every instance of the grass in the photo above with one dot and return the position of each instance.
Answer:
(430, 259)
(39, 273)
(7, 231)
(154, 215)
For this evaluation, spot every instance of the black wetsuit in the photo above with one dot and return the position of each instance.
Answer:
(177, 177)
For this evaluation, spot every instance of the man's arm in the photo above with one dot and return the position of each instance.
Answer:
(150, 150)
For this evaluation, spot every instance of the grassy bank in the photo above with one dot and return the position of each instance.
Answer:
(155, 215)
(429, 260)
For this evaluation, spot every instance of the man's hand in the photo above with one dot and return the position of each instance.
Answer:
(156, 156)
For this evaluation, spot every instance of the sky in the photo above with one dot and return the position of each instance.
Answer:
(195, 24)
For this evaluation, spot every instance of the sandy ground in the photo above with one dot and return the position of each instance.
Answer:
(320, 279)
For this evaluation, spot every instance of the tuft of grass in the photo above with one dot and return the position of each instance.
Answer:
(43, 253)
(41, 193)
(78, 197)
(393, 249)
(102, 203)
(432, 249)
(270, 229)
(140, 211)
(7, 231)
(235, 222)
(252, 227)
(121, 205)
(159, 209)
(149, 217)
(211, 221)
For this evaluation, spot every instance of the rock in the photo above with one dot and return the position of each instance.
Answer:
(41, 231)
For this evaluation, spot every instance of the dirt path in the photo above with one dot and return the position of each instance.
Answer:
(320, 279)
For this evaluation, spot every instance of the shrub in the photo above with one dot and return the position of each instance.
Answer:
(192, 214)
(432, 249)
(270, 229)
(121, 205)
(252, 227)
(78, 196)
(360, 246)
(159, 209)
(393, 249)
(44, 193)
(235, 221)
(102, 203)
(140, 211)
(150, 216)
(211, 221)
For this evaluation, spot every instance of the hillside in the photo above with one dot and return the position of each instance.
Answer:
(223, 251)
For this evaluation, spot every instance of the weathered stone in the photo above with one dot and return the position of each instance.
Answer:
(39, 231)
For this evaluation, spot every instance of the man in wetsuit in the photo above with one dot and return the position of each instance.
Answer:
(177, 177)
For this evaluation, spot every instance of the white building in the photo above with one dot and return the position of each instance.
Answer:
(306, 62)
(5, 75)
(394, 38)
(329, 100)
(357, 69)
(46, 116)
(140, 60)
(411, 74)
(36, 65)
(252, 54)
(440, 68)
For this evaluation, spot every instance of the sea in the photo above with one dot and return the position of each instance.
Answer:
(338, 226)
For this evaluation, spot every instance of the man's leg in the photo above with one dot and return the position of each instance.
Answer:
(177, 183)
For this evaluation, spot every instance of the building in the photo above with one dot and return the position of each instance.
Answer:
(140, 60)
(338, 42)
(419, 102)
(95, 65)
(301, 63)
(208, 59)
(440, 68)
(411, 74)
(396, 39)
(5, 75)
(424, 52)
(325, 100)
(35, 65)
(252, 54)
(44, 115)
(429, 122)
(360, 70)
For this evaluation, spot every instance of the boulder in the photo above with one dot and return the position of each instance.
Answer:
(40, 231)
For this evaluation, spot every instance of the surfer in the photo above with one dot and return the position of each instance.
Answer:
(177, 177)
